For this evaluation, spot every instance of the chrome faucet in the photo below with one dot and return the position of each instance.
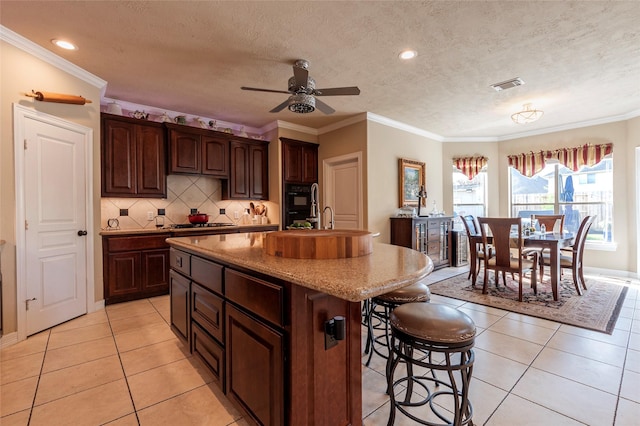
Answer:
(314, 216)
(331, 220)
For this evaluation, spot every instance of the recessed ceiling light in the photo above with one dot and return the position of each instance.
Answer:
(408, 54)
(64, 44)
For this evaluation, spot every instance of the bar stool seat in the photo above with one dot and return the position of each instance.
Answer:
(378, 319)
(418, 328)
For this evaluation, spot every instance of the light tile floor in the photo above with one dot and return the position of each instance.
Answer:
(124, 366)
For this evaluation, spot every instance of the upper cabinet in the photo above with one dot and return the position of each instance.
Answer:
(299, 161)
(249, 171)
(133, 159)
(196, 151)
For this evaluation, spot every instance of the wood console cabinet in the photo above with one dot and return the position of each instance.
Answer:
(249, 171)
(135, 267)
(133, 157)
(429, 235)
(299, 161)
(196, 151)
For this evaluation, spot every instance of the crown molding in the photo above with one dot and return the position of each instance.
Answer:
(297, 127)
(49, 57)
(402, 126)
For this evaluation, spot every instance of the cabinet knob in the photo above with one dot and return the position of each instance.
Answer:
(82, 233)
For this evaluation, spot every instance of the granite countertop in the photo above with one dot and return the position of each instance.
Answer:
(388, 268)
(203, 229)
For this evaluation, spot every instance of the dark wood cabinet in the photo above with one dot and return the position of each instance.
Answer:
(255, 367)
(299, 161)
(196, 151)
(429, 235)
(133, 158)
(263, 340)
(249, 171)
(135, 267)
(179, 290)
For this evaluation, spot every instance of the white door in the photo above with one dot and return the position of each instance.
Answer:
(55, 222)
(343, 190)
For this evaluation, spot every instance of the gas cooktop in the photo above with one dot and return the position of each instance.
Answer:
(200, 225)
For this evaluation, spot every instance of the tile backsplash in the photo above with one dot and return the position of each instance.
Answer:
(183, 194)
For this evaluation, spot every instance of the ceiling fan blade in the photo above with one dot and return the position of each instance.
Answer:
(281, 106)
(301, 75)
(264, 90)
(337, 91)
(324, 107)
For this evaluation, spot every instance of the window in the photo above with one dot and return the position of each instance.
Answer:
(469, 196)
(559, 190)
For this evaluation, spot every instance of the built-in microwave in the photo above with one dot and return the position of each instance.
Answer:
(297, 203)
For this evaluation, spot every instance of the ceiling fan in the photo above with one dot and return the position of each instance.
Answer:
(302, 88)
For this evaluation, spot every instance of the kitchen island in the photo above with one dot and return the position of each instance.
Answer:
(269, 328)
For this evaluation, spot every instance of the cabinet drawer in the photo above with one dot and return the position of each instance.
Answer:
(207, 310)
(260, 297)
(207, 274)
(137, 243)
(433, 234)
(180, 261)
(434, 223)
(433, 248)
(210, 352)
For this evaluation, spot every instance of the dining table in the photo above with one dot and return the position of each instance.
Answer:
(548, 240)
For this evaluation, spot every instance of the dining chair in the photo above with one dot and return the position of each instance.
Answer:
(549, 221)
(475, 249)
(506, 252)
(574, 261)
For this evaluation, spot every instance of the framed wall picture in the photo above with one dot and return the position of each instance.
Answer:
(412, 180)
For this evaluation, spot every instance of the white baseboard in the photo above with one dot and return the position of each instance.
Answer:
(610, 272)
(8, 340)
(98, 305)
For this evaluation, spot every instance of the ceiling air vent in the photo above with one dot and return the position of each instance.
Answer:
(508, 84)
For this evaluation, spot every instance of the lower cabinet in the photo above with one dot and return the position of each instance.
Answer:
(179, 287)
(263, 340)
(135, 267)
(429, 235)
(255, 367)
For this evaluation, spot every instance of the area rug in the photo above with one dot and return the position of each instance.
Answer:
(597, 309)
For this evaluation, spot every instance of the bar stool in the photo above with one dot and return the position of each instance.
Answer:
(378, 319)
(434, 329)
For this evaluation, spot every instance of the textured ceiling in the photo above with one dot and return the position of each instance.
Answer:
(580, 60)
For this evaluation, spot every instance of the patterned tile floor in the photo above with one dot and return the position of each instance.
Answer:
(124, 366)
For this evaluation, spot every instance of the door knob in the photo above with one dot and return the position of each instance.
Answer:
(81, 233)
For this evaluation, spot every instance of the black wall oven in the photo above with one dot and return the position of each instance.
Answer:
(297, 203)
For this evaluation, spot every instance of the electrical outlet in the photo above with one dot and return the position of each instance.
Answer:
(149, 215)
(161, 212)
(236, 215)
(223, 211)
(124, 212)
(194, 211)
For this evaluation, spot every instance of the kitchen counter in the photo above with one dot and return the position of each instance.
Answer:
(198, 229)
(388, 268)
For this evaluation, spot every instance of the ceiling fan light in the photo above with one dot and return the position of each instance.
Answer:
(302, 104)
(527, 115)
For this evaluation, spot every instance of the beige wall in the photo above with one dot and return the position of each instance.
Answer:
(346, 140)
(20, 73)
(385, 146)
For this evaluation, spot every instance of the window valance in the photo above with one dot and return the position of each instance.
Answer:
(531, 163)
(470, 166)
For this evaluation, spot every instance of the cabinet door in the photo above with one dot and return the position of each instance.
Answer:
(151, 164)
(215, 156)
(310, 163)
(292, 162)
(179, 286)
(124, 275)
(259, 175)
(255, 367)
(155, 271)
(185, 152)
(239, 173)
(118, 158)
